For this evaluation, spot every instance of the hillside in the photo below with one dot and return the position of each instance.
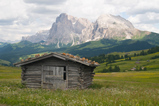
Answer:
(150, 62)
(4, 62)
(106, 46)
(152, 38)
(13, 52)
(2, 44)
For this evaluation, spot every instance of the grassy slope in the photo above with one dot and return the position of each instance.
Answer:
(152, 38)
(4, 62)
(113, 89)
(128, 64)
(105, 46)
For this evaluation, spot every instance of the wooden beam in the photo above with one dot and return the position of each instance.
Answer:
(58, 57)
(42, 76)
(67, 66)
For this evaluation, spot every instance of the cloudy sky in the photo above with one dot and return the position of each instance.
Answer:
(26, 17)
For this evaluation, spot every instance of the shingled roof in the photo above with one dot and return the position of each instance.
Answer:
(63, 56)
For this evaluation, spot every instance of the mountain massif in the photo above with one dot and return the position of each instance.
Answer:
(79, 36)
(68, 30)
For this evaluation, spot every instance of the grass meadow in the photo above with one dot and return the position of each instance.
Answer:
(108, 89)
(127, 65)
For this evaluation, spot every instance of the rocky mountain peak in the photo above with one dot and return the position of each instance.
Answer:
(108, 20)
(39, 36)
(62, 18)
(69, 30)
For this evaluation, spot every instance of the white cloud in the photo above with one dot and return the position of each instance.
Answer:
(12, 9)
(90, 9)
(44, 10)
(147, 18)
(147, 27)
(148, 21)
(144, 6)
(25, 17)
(45, 2)
(20, 19)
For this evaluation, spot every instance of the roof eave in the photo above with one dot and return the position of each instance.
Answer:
(63, 57)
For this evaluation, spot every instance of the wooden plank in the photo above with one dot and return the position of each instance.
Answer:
(67, 76)
(55, 64)
(31, 81)
(33, 67)
(69, 81)
(53, 76)
(33, 72)
(73, 69)
(33, 84)
(47, 83)
(42, 76)
(30, 74)
(31, 77)
(73, 83)
(73, 78)
(74, 75)
(57, 56)
(73, 72)
(37, 79)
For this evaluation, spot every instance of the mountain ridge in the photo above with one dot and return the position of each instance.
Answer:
(14, 52)
(69, 30)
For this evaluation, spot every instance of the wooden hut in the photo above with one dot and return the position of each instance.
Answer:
(55, 70)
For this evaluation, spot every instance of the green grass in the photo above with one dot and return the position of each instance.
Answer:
(10, 72)
(127, 65)
(108, 89)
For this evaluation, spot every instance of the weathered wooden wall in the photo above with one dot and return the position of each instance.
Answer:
(31, 76)
(40, 74)
(86, 76)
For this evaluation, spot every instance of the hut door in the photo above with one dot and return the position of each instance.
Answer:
(53, 77)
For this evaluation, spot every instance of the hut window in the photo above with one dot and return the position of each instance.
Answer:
(55, 70)
(64, 73)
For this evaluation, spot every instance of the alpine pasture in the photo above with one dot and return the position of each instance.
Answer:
(133, 88)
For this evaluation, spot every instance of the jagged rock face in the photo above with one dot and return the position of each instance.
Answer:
(109, 26)
(67, 29)
(40, 36)
(71, 30)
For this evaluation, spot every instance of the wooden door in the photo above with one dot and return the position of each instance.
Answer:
(53, 77)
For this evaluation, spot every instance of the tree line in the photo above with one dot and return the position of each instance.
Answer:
(111, 69)
(149, 51)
